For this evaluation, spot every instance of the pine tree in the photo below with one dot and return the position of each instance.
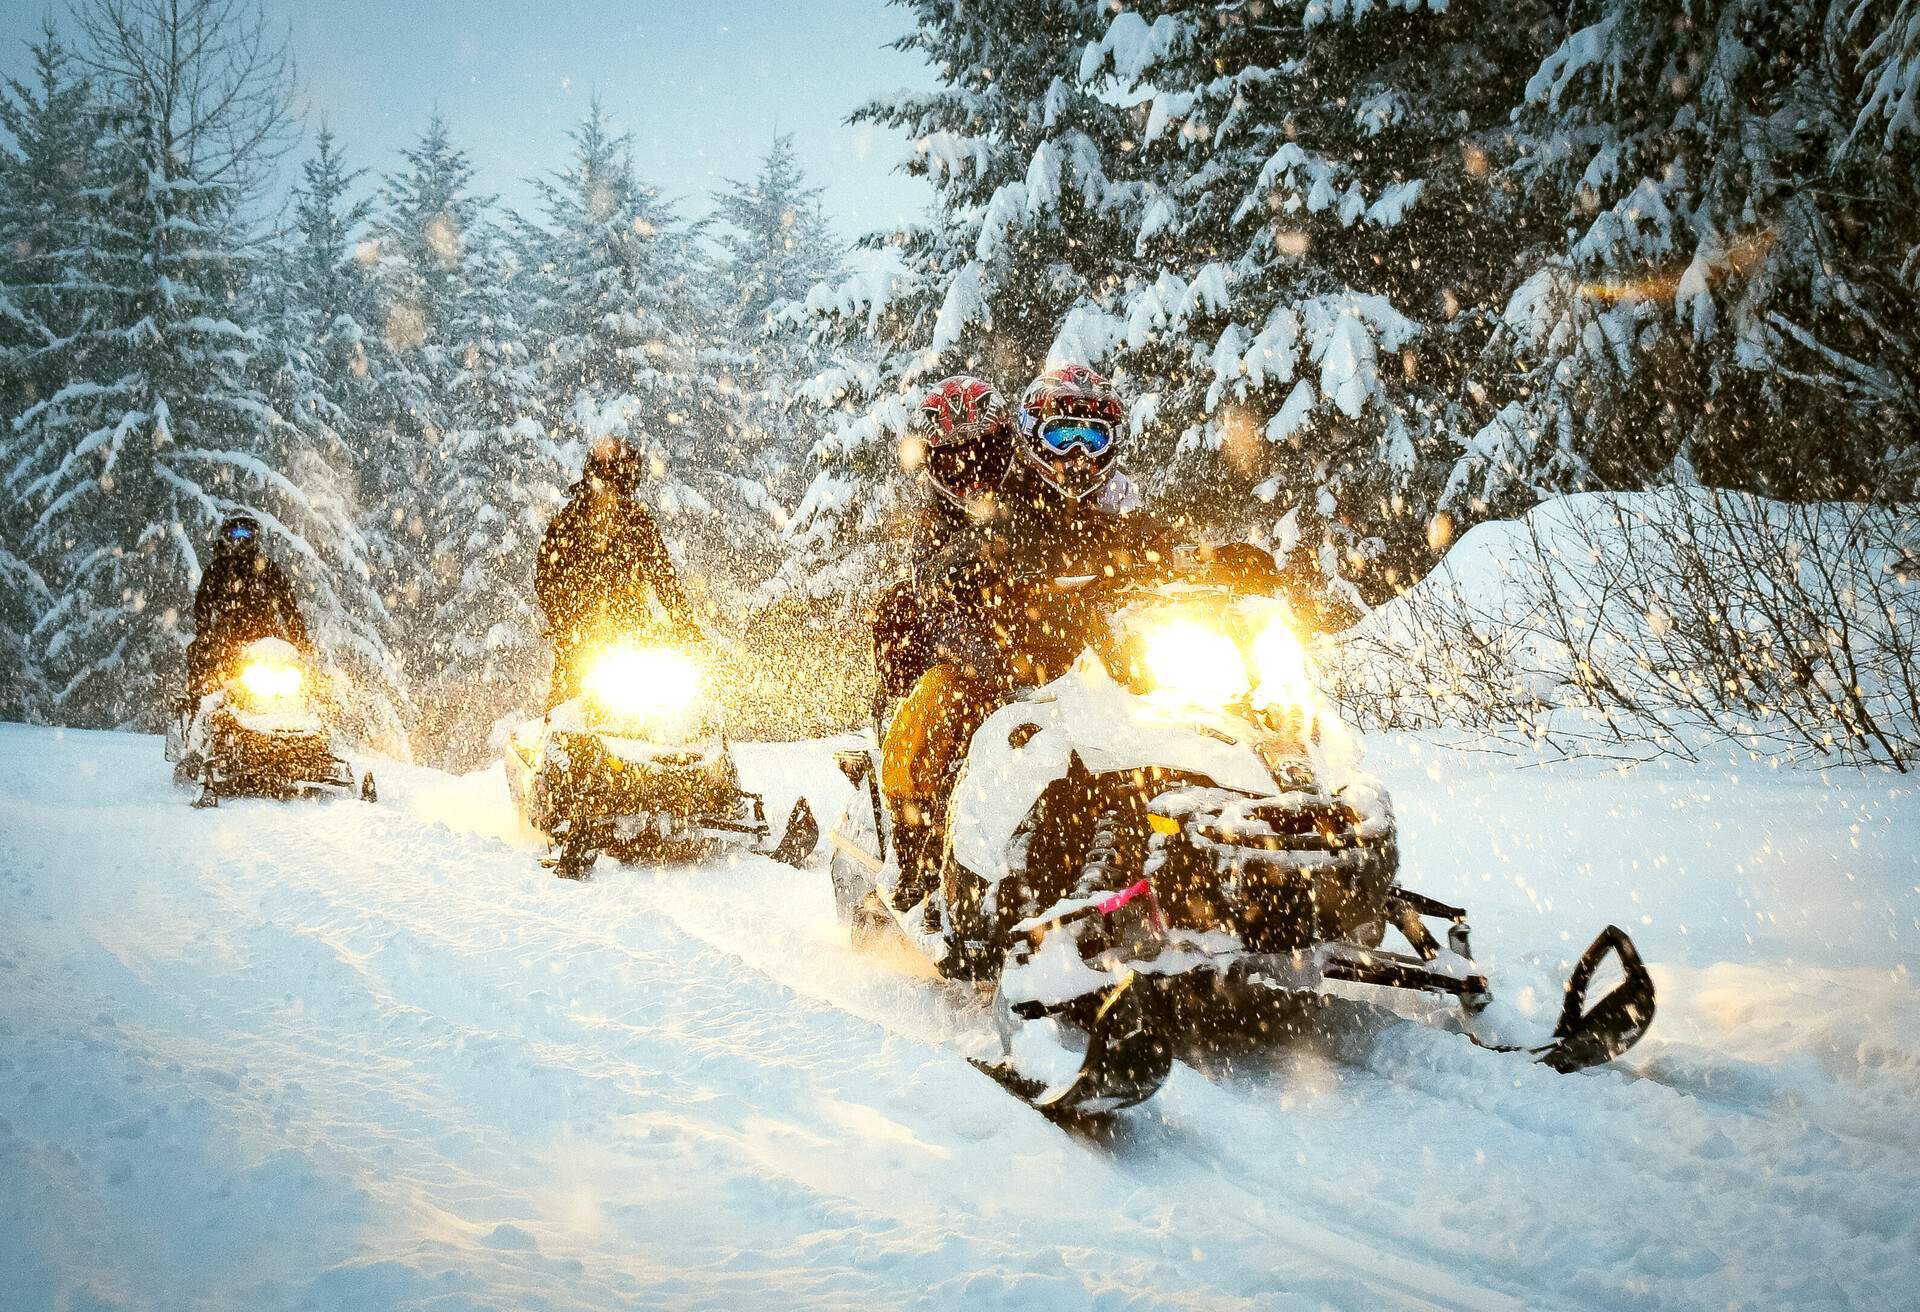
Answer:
(158, 428)
(470, 470)
(843, 540)
(308, 298)
(53, 123)
(776, 244)
(1315, 246)
(1737, 265)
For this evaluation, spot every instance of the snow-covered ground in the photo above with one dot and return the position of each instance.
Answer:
(333, 1055)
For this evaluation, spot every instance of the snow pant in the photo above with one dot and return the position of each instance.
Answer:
(929, 734)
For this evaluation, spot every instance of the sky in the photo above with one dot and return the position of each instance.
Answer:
(701, 86)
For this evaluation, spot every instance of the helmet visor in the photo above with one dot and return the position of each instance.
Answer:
(1065, 434)
(969, 469)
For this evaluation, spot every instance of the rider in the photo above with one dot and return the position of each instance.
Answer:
(242, 596)
(965, 435)
(601, 560)
(1062, 508)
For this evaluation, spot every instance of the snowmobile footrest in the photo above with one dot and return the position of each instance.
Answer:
(1392, 971)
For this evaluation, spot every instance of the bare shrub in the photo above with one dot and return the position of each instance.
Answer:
(1656, 621)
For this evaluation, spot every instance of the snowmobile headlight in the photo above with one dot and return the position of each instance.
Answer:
(630, 680)
(1187, 661)
(267, 681)
(1280, 670)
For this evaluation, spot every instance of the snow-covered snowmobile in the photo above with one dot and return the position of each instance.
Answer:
(1171, 840)
(638, 764)
(265, 731)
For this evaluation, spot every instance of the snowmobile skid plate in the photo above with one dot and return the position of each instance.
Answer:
(1128, 1058)
(580, 843)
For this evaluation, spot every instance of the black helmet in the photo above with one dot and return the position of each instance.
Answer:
(237, 533)
(612, 461)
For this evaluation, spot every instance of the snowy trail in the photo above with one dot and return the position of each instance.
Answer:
(333, 1055)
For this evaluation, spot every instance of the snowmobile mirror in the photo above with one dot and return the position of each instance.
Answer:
(1587, 1036)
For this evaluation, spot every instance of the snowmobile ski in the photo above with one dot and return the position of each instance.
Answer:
(1128, 1058)
(802, 835)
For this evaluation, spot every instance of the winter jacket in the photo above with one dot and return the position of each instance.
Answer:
(244, 596)
(602, 562)
(969, 587)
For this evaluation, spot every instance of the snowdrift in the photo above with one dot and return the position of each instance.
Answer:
(332, 1055)
(1660, 620)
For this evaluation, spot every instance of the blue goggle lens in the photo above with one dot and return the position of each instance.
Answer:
(1064, 435)
(240, 533)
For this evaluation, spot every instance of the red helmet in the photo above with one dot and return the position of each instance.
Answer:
(968, 435)
(1070, 427)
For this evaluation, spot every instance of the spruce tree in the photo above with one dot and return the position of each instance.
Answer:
(469, 470)
(313, 365)
(159, 427)
(1732, 188)
(775, 245)
(53, 123)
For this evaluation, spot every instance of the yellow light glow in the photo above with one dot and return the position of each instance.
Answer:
(1280, 667)
(266, 681)
(627, 679)
(1189, 662)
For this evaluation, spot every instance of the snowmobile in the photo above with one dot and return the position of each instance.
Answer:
(638, 765)
(1173, 840)
(265, 731)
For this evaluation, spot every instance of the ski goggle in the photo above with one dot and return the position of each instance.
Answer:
(1065, 434)
(239, 533)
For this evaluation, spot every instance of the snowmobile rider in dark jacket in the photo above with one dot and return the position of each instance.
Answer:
(1062, 508)
(963, 434)
(243, 596)
(601, 565)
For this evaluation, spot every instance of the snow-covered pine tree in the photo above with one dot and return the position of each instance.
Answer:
(53, 122)
(1314, 242)
(160, 426)
(504, 477)
(627, 319)
(775, 245)
(460, 452)
(1024, 227)
(308, 299)
(1732, 279)
(843, 540)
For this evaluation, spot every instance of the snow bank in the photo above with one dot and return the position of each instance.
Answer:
(332, 1055)
(1659, 619)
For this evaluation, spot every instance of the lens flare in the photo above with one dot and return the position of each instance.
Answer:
(1189, 662)
(266, 682)
(627, 679)
(1280, 667)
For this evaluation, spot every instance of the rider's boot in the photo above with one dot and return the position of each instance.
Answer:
(919, 843)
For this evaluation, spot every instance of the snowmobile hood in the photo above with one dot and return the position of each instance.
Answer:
(1085, 712)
